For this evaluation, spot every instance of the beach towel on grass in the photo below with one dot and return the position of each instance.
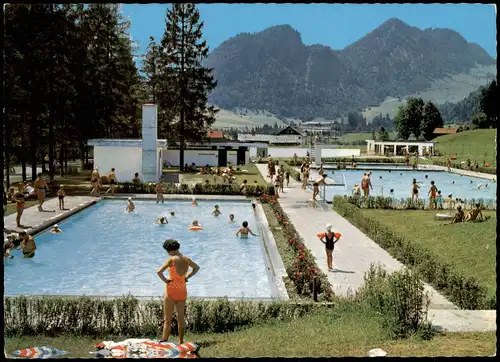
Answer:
(145, 348)
(39, 352)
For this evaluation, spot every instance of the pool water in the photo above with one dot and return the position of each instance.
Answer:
(375, 165)
(105, 251)
(401, 183)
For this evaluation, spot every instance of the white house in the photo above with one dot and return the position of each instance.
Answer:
(130, 156)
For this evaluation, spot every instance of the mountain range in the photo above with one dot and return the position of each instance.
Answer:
(273, 70)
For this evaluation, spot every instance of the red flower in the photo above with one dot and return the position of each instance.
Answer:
(301, 256)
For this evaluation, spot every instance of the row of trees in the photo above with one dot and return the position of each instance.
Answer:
(417, 118)
(70, 75)
(488, 105)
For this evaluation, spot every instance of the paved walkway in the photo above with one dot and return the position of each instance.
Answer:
(355, 253)
(458, 171)
(38, 221)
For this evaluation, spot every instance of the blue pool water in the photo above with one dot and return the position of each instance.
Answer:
(375, 165)
(401, 181)
(105, 251)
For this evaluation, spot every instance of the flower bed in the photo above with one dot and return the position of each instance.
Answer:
(303, 270)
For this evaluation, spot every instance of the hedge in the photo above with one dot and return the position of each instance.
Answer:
(53, 316)
(463, 291)
(197, 189)
(381, 202)
(491, 170)
(304, 271)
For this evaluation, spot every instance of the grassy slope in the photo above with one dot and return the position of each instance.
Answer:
(470, 248)
(329, 334)
(226, 119)
(469, 144)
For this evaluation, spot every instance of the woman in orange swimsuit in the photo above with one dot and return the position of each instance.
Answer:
(175, 286)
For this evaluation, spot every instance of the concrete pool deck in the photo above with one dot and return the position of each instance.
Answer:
(356, 252)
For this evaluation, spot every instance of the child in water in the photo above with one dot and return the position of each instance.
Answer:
(216, 211)
(172, 213)
(55, 229)
(391, 192)
(195, 223)
(194, 202)
(254, 204)
(161, 220)
(231, 218)
(244, 230)
(130, 205)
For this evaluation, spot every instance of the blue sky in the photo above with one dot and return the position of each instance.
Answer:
(336, 25)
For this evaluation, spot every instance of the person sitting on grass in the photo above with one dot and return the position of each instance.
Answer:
(475, 215)
(459, 216)
(55, 229)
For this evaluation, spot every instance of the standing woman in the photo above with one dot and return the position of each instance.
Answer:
(94, 181)
(175, 286)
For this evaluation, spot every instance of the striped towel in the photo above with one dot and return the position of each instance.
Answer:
(145, 348)
(39, 352)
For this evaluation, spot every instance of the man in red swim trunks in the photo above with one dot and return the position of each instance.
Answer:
(175, 291)
(366, 184)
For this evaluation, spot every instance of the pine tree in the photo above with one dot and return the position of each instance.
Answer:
(184, 83)
(150, 67)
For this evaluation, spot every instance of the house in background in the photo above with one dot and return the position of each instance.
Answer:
(444, 131)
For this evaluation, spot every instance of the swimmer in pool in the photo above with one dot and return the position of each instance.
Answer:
(471, 182)
(380, 177)
(254, 204)
(195, 223)
(426, 176)
(244, 230)
(453, 182)
(194, 202)
(216, 211)
(231, 218)
(391, 192)
(28, 245)
(401, 174)
(161, 220)
(55, 229)
(479, 186)
(172, 213)
(130, 205)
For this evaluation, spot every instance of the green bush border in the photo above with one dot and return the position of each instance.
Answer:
(463, 291)
(489, 170)
(53, 316)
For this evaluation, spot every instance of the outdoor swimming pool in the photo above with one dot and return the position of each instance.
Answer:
(107, 252)
(401, 183)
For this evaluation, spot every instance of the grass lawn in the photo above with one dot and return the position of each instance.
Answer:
(469, 247)
(478, 145)
(251, 176)
(325, 334)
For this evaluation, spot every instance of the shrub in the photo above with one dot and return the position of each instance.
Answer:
(465, 292)
(198, 188)
(303, 271)
(400, 298)
(52, 316)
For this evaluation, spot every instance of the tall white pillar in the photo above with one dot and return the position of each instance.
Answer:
(395, 153)
(420, 150)
(149, 143)
(317, 155)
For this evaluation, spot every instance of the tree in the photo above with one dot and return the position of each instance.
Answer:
(409, 117)
(150, 67)
(431, 119)
(383, 134)
(489, 105)
(183, 83)
(480, 120)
